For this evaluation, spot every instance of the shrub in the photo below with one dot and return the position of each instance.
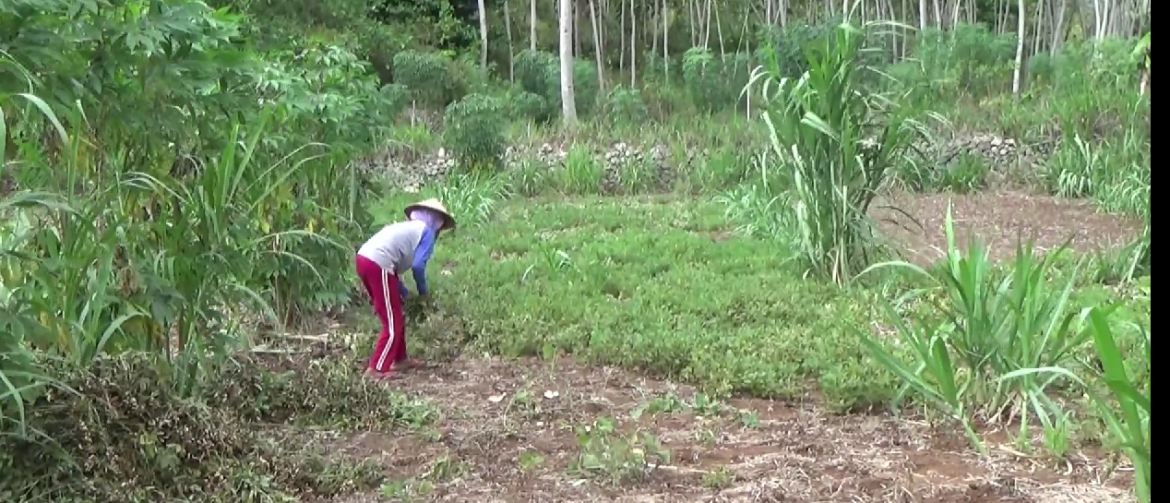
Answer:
(533, 70)
(525, 105)
(475, 131)
(429, 76)
(540, 73)
(625, 106)
(713, 84)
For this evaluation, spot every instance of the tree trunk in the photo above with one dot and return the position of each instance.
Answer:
(922, 11)
(633, 47)
(577, 51)
(665, 42)
(1039, 21)
(532, 25)
(511, 47)
(1058, 30)
(707, 27)
(719, 33)
(568, 97)
(1019, 66)
(622, 37)
(483, 37)
(597, 47)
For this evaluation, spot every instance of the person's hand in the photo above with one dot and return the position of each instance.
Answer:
(426, 300)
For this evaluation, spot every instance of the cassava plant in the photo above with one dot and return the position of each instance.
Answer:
(835, 143)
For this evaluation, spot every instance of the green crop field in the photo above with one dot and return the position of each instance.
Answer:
(746, 251)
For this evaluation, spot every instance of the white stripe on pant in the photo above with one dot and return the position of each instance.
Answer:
(380, 366)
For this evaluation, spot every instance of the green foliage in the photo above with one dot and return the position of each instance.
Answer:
(326, 92)
(836, 144)
(713, 83)
(970, 61)
(1114, 173)
(788, 46)
(474, 131)
(968, 175)
(991, 326)
(1092, 94)
(526, 105)
(1122, 390)
(540, 73)
(430, 77)
(604, 288)
(617, 457)
(168, 220)
(626, 106)
(187, 173)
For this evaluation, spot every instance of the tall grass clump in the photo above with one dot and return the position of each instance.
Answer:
(834, 143)
(992, 325)
(1117, 395)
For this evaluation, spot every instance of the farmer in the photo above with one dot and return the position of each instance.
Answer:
(382, 260)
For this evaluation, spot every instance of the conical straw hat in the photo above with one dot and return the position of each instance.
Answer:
(433, 205)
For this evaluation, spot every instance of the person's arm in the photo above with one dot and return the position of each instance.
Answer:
(422, 254)
(402, 290)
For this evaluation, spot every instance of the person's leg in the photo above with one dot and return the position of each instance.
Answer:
(390, 345)
(398, 318)
(373, 277)
(359, 265)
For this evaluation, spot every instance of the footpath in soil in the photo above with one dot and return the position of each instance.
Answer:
(508, 433)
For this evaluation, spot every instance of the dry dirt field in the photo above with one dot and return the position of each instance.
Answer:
(507, 435)
(1000, 219)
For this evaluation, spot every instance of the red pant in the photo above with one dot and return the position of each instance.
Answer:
(382, 285)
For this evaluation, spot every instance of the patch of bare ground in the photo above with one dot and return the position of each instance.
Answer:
(1000, 219)
(501, 415)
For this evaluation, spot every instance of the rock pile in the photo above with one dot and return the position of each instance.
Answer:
(408, 174)
(623, 158)
(998, 153)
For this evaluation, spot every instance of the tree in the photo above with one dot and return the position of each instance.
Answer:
(597, 46)
(568, 99)
(532, 25)
(483, 37)
(1019, 49)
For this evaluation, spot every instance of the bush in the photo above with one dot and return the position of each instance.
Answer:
(431, 77)
(534, 69)
(525, 105)
(475, 131)
(971, 61)
(625, 106)
(714, 84)
(540, 73)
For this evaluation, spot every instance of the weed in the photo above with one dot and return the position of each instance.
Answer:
(530, 460)
(618, 457)
(666, 404)
(718, 479)
(704, 405)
